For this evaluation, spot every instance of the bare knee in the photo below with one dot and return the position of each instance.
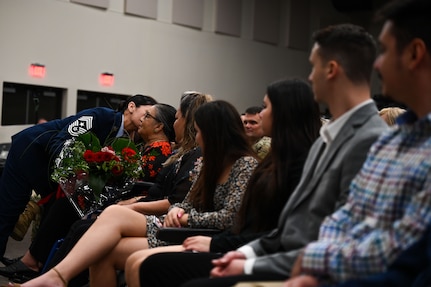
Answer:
(132, 267)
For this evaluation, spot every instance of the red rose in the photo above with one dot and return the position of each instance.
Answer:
(106, 156)
(89, 156)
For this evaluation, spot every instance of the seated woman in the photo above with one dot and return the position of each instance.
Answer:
(157, 133)
(291, 118)
(212, 202)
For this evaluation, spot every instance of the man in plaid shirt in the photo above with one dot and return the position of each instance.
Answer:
(389, 207)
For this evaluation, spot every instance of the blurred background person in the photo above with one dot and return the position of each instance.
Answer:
(253, 129)
(390, 114)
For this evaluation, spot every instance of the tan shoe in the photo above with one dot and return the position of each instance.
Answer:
(24, 220)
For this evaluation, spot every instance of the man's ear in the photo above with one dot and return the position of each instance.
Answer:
(332, 69)
(415, 51)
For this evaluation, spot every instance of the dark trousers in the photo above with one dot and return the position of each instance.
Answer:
(173, 269)
(231, 280)
(75, 233)
(55, 224)
(14, 196)
(25, 169)
(184, 269)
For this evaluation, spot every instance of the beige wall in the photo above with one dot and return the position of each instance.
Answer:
(150, 56)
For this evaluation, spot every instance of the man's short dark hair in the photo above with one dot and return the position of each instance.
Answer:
(410, 18)
(351, 46)
(253, 110)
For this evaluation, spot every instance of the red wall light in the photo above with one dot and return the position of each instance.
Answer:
(106, 79)
(37, 70)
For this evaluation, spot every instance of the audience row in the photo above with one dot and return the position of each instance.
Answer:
(347, 207)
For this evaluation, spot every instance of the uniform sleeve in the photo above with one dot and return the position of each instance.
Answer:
(103, 122)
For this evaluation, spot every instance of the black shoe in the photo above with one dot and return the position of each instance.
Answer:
(7, 261)
(17, 269)
(22, 278)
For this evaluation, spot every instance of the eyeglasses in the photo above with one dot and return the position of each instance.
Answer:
(148, 115)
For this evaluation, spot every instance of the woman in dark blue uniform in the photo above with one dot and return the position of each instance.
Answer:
(29, 163)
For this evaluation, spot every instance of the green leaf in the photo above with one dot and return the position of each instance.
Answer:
(90, 141)
(119, 143)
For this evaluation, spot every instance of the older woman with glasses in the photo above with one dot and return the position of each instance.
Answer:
(157, 131)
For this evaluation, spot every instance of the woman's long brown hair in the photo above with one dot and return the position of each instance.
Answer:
(224, 142)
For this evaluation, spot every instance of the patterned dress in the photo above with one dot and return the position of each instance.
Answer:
(227, 200)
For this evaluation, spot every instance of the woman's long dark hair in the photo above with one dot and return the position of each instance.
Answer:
(295, 126)
(224, 141)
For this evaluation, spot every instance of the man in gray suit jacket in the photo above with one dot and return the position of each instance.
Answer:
(342, 60)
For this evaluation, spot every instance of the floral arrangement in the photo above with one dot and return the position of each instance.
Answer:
(86, 165)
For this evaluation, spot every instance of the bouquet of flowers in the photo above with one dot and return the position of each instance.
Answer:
(91, 175)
